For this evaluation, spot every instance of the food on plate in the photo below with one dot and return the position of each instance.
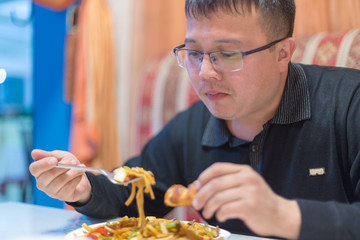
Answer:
(155, 228)
(124, 174)
(178, 195)
(151, 228)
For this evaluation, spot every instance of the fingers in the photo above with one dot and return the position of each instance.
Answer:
(45, 160)
(60, 183)
(41, 165)
(55, 177)
(37, 154)
(224, 184)
(215, 179)
(65, 156)
(216, 170)
(217, 202)
(66, 192)
(63, 184)
(230, 210)
(207, 192)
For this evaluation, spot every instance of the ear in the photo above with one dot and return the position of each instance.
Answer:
(285, 52)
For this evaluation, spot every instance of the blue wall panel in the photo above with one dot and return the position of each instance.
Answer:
(51, 112)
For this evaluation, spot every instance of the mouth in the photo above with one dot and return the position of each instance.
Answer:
(215, 96)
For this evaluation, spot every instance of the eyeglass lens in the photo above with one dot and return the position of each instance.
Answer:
(223, 61)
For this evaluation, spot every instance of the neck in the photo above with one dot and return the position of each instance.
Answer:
(248, 127)
(245, 131)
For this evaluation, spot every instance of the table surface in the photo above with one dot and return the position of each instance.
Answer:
(21, 221)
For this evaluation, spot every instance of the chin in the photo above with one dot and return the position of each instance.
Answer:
(220, 112)
(224, 116)
(220, 109)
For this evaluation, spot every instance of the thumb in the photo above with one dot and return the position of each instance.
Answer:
(37, 154)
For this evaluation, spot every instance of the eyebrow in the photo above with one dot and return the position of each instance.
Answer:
(233, 41)
(187, 40)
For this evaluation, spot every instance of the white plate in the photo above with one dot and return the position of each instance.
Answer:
(78, 234)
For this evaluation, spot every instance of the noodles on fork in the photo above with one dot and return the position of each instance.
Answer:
(143, 185)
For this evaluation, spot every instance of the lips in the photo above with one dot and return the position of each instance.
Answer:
(213, 91)
(215, 96)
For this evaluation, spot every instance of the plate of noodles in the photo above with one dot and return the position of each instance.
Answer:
(143, 227)
(154, 228)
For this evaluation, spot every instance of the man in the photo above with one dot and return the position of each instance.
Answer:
(273, 147)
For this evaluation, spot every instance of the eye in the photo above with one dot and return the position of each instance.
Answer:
(194, 54)
(230, 55)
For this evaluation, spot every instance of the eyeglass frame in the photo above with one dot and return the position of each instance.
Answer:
(243, 53)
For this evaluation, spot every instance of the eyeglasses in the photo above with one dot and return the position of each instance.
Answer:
(222, 61)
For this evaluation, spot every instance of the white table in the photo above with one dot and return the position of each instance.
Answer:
(20, 221)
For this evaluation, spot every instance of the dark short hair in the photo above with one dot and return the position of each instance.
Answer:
(276, 16)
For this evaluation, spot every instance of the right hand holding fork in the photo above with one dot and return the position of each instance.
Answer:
(63, 184)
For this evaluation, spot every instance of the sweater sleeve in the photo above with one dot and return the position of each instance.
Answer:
(108, 201)
(329, 220)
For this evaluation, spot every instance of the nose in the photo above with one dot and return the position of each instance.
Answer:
(206, 68)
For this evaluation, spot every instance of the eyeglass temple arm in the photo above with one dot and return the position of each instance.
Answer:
(178, 47)
(263, 47)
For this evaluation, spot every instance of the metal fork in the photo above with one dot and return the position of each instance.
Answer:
(109, 175)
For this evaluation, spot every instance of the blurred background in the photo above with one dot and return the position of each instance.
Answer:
(74, 70)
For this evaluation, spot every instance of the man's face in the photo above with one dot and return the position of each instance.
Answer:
(245, 95)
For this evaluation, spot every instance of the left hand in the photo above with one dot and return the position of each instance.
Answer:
(230, 191)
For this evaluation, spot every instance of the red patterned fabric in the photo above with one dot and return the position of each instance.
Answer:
(327, 50)
(300, 48)
(146, 102)
(169, 101)
(175, 93)
(353, 60)
(330, 49)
